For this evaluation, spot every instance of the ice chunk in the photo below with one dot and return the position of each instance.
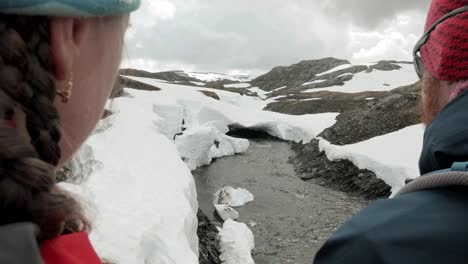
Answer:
(227, 146)
(226, 212)
(253, 223)
(194, 146)
(237, 243)
(233, 197)
(199, 145)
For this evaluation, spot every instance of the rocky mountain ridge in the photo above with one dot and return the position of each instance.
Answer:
(315, 74)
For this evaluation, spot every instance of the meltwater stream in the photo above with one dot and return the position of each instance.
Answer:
(290, 218)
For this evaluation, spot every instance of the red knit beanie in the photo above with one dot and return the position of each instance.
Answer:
(445, 55)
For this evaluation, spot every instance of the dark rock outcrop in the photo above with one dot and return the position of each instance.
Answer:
(394, 111)
(219, 84)
(360, 118)
(210, 94)
(339, 175)
(359, 121)
(106, 114)
(313, 74)
(124, 82)
(118, 90)
(296, 74)
(62, 174)
(385, 66)
(208, 240)
(336, 78)
(170, 76)
(301, 104)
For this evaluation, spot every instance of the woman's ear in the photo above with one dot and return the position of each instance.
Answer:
(66, 37)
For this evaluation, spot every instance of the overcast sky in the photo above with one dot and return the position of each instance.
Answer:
(252, 36)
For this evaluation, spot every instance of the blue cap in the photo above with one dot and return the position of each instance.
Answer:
(69, 8)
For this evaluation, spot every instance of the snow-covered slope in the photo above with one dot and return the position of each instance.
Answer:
(141, 196)
(376, 80)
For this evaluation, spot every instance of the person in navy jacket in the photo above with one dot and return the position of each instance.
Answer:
(427, 226)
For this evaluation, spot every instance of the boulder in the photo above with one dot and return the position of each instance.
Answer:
(208, 240)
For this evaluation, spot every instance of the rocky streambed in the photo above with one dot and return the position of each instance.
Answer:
(290, 218)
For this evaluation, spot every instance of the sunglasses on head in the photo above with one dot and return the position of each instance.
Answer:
(418, 63)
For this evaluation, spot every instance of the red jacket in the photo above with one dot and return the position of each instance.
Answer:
(69, 249)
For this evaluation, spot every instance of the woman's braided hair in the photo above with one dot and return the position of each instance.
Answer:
(28, 192)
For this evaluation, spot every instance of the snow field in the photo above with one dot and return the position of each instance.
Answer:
(374, 81)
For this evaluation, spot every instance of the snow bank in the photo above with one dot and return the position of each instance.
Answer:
(276, 98)
(142, 198)
(237, 243)
(237, 85)
(280, 88)
(393, 157)
(288, 127)
(338, 68)
(236, 111)
(375, 81)
(233, 197)
(314, 82)
(345, 74)
(168, 118)
(199, 83)
(310, 99)
(214, 77)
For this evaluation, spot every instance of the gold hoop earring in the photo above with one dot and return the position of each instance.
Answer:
(67, 93)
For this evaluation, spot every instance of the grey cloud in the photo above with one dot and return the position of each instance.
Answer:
(370, 13)
(256, 34)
